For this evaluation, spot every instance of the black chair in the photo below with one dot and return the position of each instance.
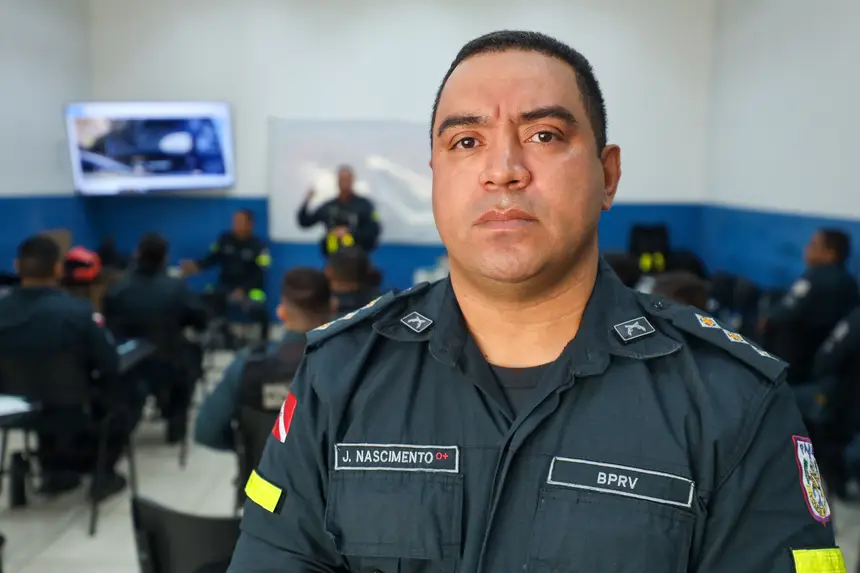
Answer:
(61, 386)
(253, 428)
(172, 542)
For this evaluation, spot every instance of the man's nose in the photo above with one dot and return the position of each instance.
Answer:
(505, 165)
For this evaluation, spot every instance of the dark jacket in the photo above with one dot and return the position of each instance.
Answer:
(243, 264)
(807, 314)
(357, 213)
(658, 441)
(214, 423)
(50, 320)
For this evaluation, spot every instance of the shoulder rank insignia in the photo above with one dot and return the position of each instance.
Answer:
(347, 321)
(710, 330)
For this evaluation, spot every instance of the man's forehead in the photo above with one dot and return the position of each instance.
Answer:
(513, 78)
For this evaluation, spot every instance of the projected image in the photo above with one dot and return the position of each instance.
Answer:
(148, 148)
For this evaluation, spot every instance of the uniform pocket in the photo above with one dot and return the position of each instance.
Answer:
(579, 531)
(398, 515)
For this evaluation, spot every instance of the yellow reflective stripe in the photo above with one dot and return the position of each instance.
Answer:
(263, 493)
(645, 262)
(331, 243)
(659, 261)
(257, 295)
(264, 260)
(348, 241)
(818, 561)
(375, 216)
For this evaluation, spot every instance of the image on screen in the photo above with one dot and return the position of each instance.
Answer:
(125, 147)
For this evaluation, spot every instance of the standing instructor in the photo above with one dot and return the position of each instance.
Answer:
(531, 413)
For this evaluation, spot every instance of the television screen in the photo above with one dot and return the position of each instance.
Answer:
(138, 147)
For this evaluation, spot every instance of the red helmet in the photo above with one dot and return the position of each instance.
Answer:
(82, 265)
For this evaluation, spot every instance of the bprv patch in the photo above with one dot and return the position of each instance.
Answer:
(397, 458)
(810, 479)
(633, 329)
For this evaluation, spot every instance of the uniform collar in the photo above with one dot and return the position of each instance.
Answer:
(611, 305)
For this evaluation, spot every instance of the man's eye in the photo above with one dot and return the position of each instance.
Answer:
(466, 143)
(543, 137)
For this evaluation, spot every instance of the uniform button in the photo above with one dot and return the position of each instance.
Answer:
(659, 304)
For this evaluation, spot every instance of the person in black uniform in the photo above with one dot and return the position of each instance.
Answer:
(530, 412)
(244, 260)
(349, 219)
(37, 317)
(256, 375)
(816, 302)
(347, 271)
(149, 304)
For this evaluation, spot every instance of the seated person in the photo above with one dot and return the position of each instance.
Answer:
(831, 403)
(823, 295)
(147, 303)
(347, 271)
(683, 287)
(39, 317)
(305, 305)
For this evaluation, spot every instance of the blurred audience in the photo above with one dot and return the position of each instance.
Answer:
(259, 377)
(626, 267)
(149, 304)
(824, 294)
(39, 321)
(347, 272)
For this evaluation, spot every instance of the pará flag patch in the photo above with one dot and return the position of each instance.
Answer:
(285, 418)
(810, 480)
(98, 319)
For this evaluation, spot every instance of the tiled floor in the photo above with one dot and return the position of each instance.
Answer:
(52, 537)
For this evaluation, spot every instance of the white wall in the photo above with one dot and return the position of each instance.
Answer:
(785, 123)
(383, 59)
(44, 52)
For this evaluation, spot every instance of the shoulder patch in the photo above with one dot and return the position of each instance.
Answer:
(709, 329)
(322, 333)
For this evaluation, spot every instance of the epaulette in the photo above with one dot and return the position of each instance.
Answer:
(320, 334)
(707, 328)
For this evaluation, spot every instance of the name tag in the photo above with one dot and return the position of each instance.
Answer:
(396, 457)
(626, 481)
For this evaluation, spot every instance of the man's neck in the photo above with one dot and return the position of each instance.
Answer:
(519, 328)
(344, 196)
(338, 287)
(304, 325)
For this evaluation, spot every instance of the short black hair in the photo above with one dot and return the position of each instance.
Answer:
(308, 289)
(504, 40)
(38, 258)
(349, 264)
(152, 252)
(837, 241)
(247, 212)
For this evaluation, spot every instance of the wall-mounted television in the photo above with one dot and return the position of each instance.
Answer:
(137, 147)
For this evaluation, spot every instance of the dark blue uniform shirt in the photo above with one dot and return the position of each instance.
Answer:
(657, 442)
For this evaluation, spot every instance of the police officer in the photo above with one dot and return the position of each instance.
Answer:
(244, 259)
(38, 317)
(816, 302)
(148, 303)
(531, 413)
(347, 270)
(255, 377)
(349, 219)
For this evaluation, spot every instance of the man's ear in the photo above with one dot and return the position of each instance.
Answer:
(281, 311)
(610, 159)
(334, 305)
(58, 270)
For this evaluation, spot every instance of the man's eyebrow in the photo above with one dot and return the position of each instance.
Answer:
(465, 120)
(552, 111)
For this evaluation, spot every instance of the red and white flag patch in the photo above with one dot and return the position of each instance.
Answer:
(285, 418)
(98, 319)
